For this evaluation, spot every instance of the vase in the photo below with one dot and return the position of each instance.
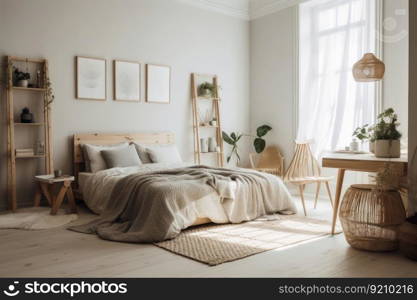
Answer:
(388, 148)
(203, 145)
(26, 116)
(23, 83)
(212, 145)
(354, 146)
(372, 147)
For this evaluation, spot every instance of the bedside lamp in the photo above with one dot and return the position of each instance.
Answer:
(369, 68)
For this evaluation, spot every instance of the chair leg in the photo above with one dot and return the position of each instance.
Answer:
(317, 194)
(301, 187)
(330, 194)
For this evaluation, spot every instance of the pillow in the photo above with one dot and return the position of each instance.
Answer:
(164, 154)
(143, 154)
(93, 158)
(121, 157)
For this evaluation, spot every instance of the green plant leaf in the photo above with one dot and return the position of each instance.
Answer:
(233, 136)
(259, 145)
(227, 138)
(263, 130)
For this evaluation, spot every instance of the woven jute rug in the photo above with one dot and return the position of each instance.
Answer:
(216, 244)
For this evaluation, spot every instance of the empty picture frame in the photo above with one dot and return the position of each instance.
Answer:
(158, 83)
(90, 78)
(126, 76)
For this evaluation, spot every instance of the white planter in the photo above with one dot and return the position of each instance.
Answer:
(388, 148)
(372, 147)
(23, 83)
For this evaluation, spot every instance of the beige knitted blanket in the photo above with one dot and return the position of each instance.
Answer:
(155, 206)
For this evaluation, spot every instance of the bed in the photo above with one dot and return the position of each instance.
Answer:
(156, 201)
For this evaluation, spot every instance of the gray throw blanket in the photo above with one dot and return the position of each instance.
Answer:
(154, 206)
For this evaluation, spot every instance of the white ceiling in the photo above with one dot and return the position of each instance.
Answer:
(244, 9)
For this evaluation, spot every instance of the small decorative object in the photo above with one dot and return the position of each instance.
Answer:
(57, 173)
(212, 144)
(372, 214)
(408, 238)
(91, 78)
(38, 79)
(258, 143)
(26, 116)
(206, 89)
(40, 148)
(158, 83)
(203, 145)
(368, 68)
(213, 122)
(347, 148)
(387, 137)
(21, 78)
(126, 80)
(354, 145)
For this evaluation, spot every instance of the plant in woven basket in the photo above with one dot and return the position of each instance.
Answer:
(388, 178)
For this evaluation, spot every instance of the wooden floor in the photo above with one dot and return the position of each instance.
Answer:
(63, 253)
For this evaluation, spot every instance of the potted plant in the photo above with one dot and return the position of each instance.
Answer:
(387, 136)
(366, 133)
(259, 143)
(21, 78)
(206, 89)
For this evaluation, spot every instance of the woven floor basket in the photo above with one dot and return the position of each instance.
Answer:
(370, 218)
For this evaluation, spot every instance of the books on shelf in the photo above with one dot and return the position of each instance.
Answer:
(25, 152)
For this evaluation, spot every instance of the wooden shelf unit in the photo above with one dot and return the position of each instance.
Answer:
(195, 81)
(11, 124)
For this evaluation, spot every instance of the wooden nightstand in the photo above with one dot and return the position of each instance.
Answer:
(46, 185)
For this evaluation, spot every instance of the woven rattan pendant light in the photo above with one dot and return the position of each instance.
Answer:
(368, 68)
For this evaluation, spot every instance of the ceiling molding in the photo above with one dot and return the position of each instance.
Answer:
(238, 8)
(272, 6)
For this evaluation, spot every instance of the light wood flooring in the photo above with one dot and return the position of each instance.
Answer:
(63, 253)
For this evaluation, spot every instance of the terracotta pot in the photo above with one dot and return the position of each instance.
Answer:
(388, 148)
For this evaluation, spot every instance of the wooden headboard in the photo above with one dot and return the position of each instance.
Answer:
(115, 138)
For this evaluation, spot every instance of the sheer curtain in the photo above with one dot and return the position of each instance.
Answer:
(333, 35)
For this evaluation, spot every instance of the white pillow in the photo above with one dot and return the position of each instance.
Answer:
(94, 160)
(164, 154)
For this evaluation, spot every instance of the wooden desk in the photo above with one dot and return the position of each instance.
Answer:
(361, 163)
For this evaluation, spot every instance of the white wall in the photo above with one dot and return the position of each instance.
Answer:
(395, 84)
(159, 31)
(273, 74)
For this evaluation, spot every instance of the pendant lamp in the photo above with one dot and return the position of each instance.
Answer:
(368, 68)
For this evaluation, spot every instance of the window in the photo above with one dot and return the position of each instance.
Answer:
(333, 35)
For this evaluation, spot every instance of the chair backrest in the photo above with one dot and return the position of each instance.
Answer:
(303, 163)
(270, 158)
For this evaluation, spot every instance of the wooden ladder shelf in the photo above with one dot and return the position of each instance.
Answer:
(198, 123)
(13, 126)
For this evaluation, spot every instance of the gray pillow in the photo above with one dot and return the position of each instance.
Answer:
(143, 154)
(92, 155)
(164, 154)
(123, 157)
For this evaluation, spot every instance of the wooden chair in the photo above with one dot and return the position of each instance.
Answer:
(304, 169)
(269, 161)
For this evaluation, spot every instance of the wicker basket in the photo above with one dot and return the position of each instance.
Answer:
(371, 218)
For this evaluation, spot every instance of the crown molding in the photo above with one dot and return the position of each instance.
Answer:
(238, 9)
(272, 6)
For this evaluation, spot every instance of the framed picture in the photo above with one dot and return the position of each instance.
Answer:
(90, 78)
(126, 76)
(158, 83)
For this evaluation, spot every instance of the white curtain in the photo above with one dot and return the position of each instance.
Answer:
(333, 35)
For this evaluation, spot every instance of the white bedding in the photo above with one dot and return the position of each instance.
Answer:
(97, 189)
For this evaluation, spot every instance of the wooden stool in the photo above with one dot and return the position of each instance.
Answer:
(46, 185)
